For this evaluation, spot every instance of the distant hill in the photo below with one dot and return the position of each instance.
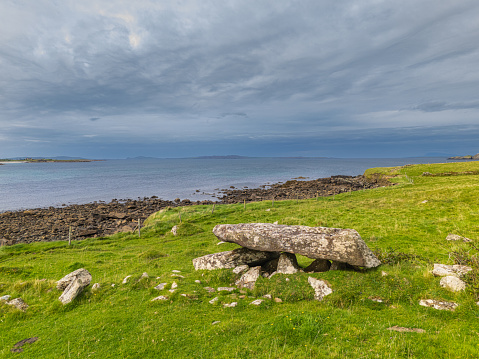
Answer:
(229, 157)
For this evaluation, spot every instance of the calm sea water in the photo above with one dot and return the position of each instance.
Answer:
(34, 185)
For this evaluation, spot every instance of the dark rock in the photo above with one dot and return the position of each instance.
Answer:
(318, 265)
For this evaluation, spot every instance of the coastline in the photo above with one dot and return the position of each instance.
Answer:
(99, 219)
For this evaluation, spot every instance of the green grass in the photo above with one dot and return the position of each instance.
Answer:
(121, 321)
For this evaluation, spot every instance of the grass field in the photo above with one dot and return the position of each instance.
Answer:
(406, 225)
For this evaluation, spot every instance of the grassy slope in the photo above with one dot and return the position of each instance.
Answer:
(121, 321)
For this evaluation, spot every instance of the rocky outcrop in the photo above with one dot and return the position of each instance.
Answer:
(341, 245)
(234, 258)
(72, 285)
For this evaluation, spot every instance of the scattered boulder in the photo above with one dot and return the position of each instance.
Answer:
(441, 270)
(249, 278)
(342, 245)
(452, 283)
(456, 237)
(318, 265)
(321, 288)
(436, 304)
(287, 264)
(72, 284)
(406, 330)
(18, 303)
(232, 259)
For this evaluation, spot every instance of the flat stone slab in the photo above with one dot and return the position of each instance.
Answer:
(441, 270)
(321, 288)
(439, 305)
(452, 283)
(232, 259)
(406, 330)
(342, 245)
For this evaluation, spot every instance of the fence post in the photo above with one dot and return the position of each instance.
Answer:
(139, 228)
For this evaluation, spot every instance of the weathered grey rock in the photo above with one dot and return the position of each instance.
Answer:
(406, 330)
(144, 275)
(340, 266)
(18, 303)
(174, 285)
(342, 245)
(176, 271)
(73, 290)
(177, 276)
(318, 265)
(456, 237)
(81, 273)
(95, 287)
(441, 270)
(321, 288)
(436, 304)
(197, 281)
(278, 300)
(234, 258)
(209, 289)
(287, 264)
(160, 286)
(240, 269)
(267, 296)
(257, 302)
(5, 298)
(452, 283)
(161, 297)
(249, 278)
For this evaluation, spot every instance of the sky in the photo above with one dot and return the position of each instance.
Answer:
(349, 78)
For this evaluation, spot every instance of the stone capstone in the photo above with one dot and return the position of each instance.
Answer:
(249, 278)
(287, 264)
(321, 288)
(452, 283)
(232, 259)
(342, 245)
(72, 284)
(441, 270)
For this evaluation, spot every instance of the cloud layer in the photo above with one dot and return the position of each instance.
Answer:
(321, 78)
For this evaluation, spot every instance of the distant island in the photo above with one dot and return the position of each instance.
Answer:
(467, 157)
(228, 157)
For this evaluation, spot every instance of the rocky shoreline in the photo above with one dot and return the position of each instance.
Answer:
(100, 219)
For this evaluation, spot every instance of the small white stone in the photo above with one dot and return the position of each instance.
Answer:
(275, 222)
(174, 230)
(144, 275)
(257, 302)
(125, 280)
(267, 296)
(214, 300)
(230, 305)
(197, 281)
(161, 297)
(174, 285)
(5, 298)
(177, 275)
(209, 289)
(220, 243)
(172, 290)
(425, 201)
(183, 295)
(228, 289)
(95, 286)
(216, 322)
(436, 304)
(176, 271)
(113, 285)
(269, 209)
(287, 279)
(160, 286)
(384, 274)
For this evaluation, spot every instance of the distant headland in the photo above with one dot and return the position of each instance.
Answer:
(43, 160)
(467, 157)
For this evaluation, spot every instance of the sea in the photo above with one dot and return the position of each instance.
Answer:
(39, 185)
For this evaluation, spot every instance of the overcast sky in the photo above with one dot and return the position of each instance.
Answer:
(349, 78)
